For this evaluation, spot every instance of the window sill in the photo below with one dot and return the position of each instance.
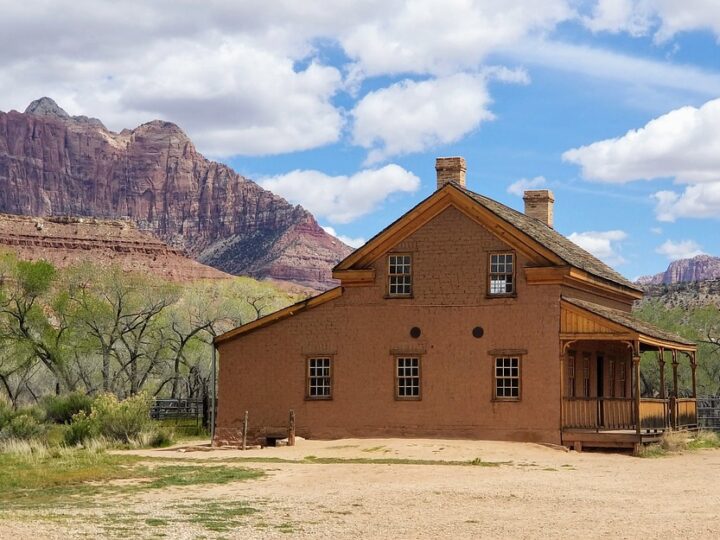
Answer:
(398, 297)
(314, 398)
(506, 399)
(509, 295)
(409, 398)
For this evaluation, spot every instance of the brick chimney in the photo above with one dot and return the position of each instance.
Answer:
(539, 205)
(450, 169)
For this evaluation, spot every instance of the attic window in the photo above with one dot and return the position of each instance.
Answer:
(400, 275)
(502, 274)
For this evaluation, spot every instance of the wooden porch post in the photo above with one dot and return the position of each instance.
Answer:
(661, 363)
(693, 366)
(673, 398)
(675, 372)
(636, 372)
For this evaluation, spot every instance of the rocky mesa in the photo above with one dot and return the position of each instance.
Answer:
(54, 164)
(70, 241)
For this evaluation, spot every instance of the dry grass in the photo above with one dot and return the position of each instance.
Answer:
(674, 442)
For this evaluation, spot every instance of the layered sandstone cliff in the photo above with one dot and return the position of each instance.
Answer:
(53, 164)
(70, 241)
(699, 268)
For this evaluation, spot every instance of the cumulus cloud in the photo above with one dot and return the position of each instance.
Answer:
(662, 18)
(342, 199)
(350, 241)
(684, 144)
(412, 116)
(684, 249)
(605, 245)
(518, 188)
(696, 201)
(441, 38)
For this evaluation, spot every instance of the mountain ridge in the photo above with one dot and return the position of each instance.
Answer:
(699, 268)
(55, 164)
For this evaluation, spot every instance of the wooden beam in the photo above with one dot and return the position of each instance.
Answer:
(636, 371)
(355, 277)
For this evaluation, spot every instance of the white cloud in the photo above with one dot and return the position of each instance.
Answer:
(518, 188)
(632, 71)
(352, 242)
(684, 143)
(605, 245)
(696, 201)
(441, 38)
(656, 230)
(663, 18)
(342, 199)
(685, 249)
(413, 116)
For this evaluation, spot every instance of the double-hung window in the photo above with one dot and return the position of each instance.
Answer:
(399, 275)
(507, 377)
(501, 280)
(407, 377)
(319, 378)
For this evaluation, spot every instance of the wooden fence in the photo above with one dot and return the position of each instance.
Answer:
(708, 412)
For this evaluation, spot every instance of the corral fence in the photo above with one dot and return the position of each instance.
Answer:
(182, 412)
(708, 410)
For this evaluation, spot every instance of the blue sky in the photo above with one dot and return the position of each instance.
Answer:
(612, 104)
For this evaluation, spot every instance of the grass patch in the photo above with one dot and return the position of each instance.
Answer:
(704, 439)
(156, 522)
(71, 477)
(218, 516)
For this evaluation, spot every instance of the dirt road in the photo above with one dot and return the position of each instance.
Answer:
(518, 490)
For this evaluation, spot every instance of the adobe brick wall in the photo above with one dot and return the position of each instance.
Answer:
(263, 372)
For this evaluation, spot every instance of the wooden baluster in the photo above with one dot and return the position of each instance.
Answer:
(636, 371)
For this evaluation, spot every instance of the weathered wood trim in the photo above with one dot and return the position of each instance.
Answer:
(355, 277)
(289, 311)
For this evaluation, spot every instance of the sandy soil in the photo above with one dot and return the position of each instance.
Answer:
(538, 492)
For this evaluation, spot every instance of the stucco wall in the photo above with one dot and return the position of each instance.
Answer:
(263, 372)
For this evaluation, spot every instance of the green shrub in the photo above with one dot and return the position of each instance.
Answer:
(122, 420)
(82, 427)
(6, 413)
(60, 409)
(160, 438)
(22, 426)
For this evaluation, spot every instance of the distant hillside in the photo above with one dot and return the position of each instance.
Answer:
(54, 164)
(700, 268)
(685, 295)
(68, 241)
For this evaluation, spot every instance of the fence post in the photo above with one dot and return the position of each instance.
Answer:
(245, 428)
(291, 429)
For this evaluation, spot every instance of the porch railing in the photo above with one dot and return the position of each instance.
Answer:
(619, 413)
(686, 413)
(598, 413)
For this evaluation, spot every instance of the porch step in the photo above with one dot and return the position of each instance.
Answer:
(608, 439)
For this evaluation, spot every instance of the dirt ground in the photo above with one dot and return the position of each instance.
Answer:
(522, 491)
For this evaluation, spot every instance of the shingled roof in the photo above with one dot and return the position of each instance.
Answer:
(628, 321)
(569, 252)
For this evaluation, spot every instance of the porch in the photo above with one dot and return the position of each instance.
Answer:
(602, 404)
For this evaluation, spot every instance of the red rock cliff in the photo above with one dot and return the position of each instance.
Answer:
(53, 164)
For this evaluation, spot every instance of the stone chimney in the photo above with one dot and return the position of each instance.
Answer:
(539, 205)
(450, 169)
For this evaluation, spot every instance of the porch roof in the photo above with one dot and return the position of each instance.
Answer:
(646, 333)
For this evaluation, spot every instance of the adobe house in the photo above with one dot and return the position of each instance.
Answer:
(462, 319)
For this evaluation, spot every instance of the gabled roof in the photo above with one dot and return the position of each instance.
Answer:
(534, 229)
(626, 320)
(568, 251)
